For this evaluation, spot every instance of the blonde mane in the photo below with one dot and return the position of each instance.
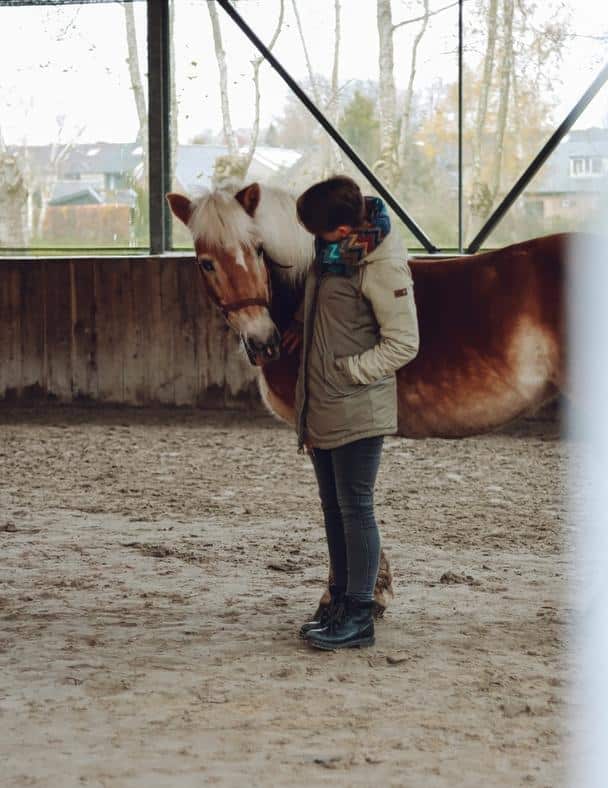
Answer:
(220, 222)
(284, 238)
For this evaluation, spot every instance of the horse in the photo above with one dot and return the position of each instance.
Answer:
(492, 325)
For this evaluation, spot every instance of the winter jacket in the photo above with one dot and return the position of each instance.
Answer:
(357, 331)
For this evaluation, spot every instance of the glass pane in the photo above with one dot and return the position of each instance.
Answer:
(526, 66)
(409, 138)
(569, 192)
(73, 134)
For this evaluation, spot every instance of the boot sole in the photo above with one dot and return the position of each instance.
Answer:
(353, 644)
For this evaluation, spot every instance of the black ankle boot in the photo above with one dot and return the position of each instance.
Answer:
(324, 613)
(352, 624)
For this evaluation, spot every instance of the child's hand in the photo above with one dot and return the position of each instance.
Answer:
(292, 337)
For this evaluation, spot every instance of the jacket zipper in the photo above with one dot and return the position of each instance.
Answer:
(302, 422)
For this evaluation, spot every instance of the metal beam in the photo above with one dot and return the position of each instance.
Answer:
(329, 128)
(159, 164)
(540, 158)
(460, 120)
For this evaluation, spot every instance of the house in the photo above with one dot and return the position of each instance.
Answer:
(87, 193)
(574, 179)
(195, 165)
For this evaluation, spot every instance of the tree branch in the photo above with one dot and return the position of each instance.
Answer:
(220, 54)
(256, 81)
(424, 16)
(409, 95)
(311, 75)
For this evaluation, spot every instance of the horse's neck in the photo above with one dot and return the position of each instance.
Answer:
(288, 243)
(284, 238)
(287, 294)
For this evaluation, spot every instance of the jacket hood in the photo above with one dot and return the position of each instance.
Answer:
(392, 246)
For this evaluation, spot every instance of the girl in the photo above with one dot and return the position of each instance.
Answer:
(358, 326)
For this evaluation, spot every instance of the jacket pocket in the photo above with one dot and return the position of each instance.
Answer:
(339, 382)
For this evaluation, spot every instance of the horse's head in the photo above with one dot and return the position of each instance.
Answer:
(230, 257)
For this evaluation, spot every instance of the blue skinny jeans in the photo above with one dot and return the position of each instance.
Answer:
(346, 477)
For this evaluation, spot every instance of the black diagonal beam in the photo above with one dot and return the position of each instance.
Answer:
(329, 128)
(540, 158)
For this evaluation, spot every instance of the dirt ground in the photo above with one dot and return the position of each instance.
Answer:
(157, 565)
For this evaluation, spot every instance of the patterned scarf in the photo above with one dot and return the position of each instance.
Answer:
(342, 257)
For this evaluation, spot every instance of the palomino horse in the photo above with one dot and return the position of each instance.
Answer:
(492, 325)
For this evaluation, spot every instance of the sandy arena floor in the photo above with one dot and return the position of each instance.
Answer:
(157, 565)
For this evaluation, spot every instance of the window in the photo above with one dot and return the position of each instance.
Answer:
(587, 166)
(279, 142)
(74, 126)
(76, 172)
(525, 69)
(570, 201)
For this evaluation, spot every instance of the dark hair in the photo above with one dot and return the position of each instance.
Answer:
(328, 204)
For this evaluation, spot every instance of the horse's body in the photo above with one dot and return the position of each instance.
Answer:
(491, 325)
(491, 342)
(491, 329)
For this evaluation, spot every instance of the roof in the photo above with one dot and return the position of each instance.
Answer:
(82, 193)
(195, 164)
(81, 158)
(193, 171)
(194, 168)
(77, 195)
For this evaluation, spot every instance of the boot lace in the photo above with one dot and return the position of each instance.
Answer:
(335, 615)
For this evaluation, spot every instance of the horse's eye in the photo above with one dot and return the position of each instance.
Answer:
(206, 263)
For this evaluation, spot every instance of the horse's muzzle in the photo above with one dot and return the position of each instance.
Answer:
(260, 353)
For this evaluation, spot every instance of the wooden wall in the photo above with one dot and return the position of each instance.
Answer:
(133, 331)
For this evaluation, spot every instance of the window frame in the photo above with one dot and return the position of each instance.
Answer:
(159, 148)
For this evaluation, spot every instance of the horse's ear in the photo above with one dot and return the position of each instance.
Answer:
(249, 197)
(181, 206)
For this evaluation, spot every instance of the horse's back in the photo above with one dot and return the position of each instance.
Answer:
(492, 338)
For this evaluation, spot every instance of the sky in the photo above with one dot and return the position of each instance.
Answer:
(65, 75)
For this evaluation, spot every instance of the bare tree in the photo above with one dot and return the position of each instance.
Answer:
(425, 15)
(137, 85)
(404, 128)
(256, 63)
(220, 56)
(330, 104)
(480, 199)
(336, 62)
(506, 68)
(44, 182)
(311, 75)
(333, 104)
(387, 165)
(13, 201)
(173, 119)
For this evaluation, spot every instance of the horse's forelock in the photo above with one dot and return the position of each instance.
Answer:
(219, 221)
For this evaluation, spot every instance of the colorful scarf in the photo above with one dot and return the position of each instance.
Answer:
(342, 257)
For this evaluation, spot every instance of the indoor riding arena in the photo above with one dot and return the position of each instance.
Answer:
(162, 537)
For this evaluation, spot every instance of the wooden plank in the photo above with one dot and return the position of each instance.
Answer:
(137, 334)
(211, 342)
(185, 335)
(84, 331)
(10, 331)
(109, 289)
(59, 329)
(157, 351)
(166, 328)
(33, 319)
